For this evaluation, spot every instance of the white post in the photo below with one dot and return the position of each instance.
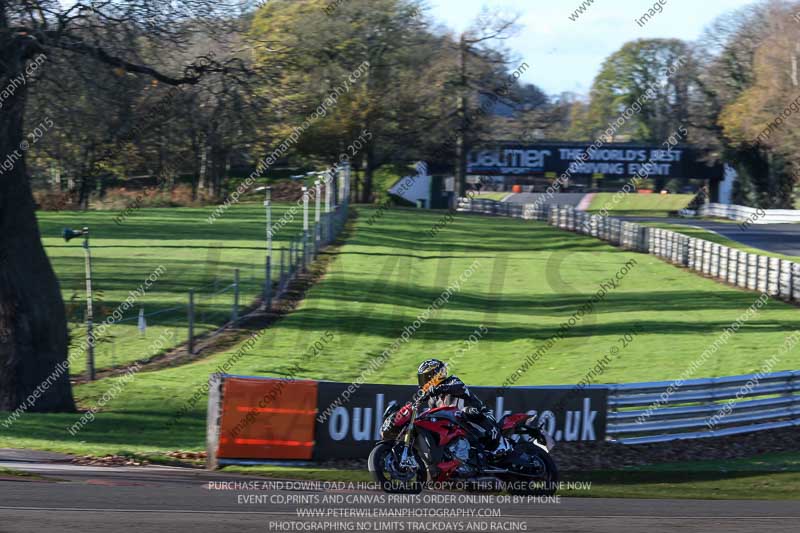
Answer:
(318, 192)
(268, 206)
(89, 311)
(328, 188)
(347, 170)
(305, 209)
(340, 185)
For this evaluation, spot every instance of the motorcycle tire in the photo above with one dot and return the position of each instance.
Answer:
(377, 467)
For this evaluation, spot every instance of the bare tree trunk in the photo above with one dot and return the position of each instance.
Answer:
(204, 183)
(369, 171)
(33, 328)
(218, 168)
(196, 167)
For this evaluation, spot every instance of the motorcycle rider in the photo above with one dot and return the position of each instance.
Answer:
(436, 389)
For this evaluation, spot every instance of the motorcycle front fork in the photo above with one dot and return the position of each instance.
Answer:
(407, 458)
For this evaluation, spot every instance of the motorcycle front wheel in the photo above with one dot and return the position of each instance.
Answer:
(384, 464)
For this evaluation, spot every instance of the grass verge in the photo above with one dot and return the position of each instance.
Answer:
(193, 253)
(655, 205)
(529, 279)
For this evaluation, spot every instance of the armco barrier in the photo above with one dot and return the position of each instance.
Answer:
(741, 213)
(253, 419)
(663, 411)
(308, 423)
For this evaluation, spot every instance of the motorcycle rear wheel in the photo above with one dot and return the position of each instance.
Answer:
(385, 469)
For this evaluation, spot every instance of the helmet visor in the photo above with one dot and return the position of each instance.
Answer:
(431, 377)
(426, 376)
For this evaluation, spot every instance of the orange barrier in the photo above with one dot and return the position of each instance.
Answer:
(516, 188)
(267, 419)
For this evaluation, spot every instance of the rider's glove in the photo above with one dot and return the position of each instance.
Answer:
(472, 412)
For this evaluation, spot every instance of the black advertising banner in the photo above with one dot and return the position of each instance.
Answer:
(349, 416)
(620, 159)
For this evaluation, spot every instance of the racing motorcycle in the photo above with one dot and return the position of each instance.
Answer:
(443, 445)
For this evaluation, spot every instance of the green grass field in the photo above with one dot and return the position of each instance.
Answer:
(528, 279)
(195, 255)
(639, 204)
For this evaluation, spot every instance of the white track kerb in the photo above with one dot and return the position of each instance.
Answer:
(404, 338)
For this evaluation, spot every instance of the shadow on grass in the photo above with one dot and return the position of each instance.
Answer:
(390, 327)
(124, 428)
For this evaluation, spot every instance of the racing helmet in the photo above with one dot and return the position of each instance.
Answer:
(431, 370)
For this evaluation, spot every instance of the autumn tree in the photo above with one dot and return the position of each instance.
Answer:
(661, 67)
(311, 49)
(764, 118)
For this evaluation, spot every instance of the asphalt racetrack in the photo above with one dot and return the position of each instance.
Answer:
(164, 499)
(776, 238)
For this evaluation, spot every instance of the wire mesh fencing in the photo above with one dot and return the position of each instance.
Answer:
(193, 303)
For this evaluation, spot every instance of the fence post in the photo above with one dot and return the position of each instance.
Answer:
(235, 310)
(268, 285)
(289, 252)
(190, 312)
(791, 280)
(280, 277)
(296, 259)
(305, 251)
